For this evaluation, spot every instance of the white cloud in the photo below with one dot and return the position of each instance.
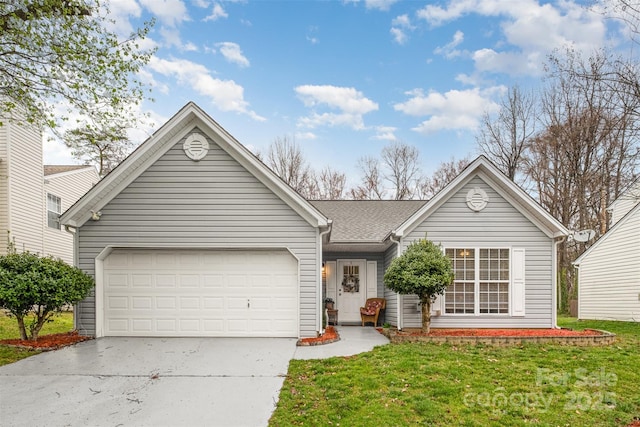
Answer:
(400, 25)
(531, 30)
(217, 13)
(306, 135)
(455, 109)
(383, 5)
(226, 95)
(385, 133)
(449, 50)
(233, 53)
(120, 11)
(351, 104)
(203, 4)
(169, 12)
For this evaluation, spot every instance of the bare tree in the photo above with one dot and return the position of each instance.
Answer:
(504, 138)
(587, 152)
(371, 187)
(402, 169)
(329, 184)
(443, 175)
(286, 159)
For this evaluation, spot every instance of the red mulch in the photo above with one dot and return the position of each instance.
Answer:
(330, 335)
(442, 332)
(635, 423)
(48, 342)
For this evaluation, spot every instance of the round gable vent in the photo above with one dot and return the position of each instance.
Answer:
(477, 199)
(196, 147)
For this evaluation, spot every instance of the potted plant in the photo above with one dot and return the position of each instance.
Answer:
(328, 303)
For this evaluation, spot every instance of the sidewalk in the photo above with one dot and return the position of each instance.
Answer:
(353, 340)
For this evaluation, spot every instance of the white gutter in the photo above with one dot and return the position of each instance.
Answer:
(398, 295)
(554, 269)
(319, 322)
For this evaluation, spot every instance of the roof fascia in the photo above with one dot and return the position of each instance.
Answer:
(606, 235)
(161, 141)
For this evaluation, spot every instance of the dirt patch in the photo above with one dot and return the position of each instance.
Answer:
(48, 342)
(330, 335)
(442, 332)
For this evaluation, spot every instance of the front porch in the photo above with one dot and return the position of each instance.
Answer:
(353, 340)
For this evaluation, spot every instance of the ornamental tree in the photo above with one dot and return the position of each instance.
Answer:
(423, 270)
(60, 59)
(34, 289)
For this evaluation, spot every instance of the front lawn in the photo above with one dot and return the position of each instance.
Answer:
(9, 329)
(443, 385)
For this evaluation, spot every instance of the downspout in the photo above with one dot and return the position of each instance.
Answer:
(398, 295)
(76, 258)
(319, 316)
(554, 269)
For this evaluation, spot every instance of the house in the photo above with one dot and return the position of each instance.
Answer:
(63, 186)
(609, 272)
(32, 196)
(196, 237)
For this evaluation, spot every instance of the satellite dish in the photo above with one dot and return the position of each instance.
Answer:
(583, 235)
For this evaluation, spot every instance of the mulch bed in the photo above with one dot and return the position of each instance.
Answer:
(48, 342)
(442, 332)
(330, 335)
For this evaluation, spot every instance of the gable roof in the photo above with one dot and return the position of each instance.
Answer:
(59, 169)
(504, 186)
(160, 142)
(635, 210)
(360, 221)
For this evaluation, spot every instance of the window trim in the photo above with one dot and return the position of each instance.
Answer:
(477, 280)
(58, 201)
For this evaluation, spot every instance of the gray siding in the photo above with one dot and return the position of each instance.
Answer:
(391, 313)
(609, 276)
(4, 186)
(212, 203)
(500, 224)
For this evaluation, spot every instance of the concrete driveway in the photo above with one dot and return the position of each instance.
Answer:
(148, 382)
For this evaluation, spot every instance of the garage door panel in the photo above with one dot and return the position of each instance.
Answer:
(200, 293)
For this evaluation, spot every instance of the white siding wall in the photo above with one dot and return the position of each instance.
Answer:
(213, 203)
(22, 186)
(609, 276)
(69, 186)
(4, 186)
(625, 203)
(499, 225)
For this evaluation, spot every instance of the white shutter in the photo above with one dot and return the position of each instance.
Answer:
(517, 282)
(330, 270)
(372, 279)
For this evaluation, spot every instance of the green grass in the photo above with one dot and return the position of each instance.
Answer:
(9, 330)
(443, 385)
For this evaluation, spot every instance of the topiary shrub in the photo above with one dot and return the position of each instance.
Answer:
(423, 270)
(39, 286)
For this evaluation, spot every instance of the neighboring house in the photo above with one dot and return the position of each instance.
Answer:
(197, 237)
(609, 271)
(32, 196)
(63, 186)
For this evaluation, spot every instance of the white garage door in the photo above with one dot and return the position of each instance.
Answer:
(200, 293)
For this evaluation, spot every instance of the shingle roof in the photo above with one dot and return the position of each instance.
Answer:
(365, 220)
(54, 169)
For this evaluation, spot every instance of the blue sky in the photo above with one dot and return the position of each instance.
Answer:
(345, 78)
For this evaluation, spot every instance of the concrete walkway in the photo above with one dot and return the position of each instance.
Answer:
(353, 340)
(160, 381)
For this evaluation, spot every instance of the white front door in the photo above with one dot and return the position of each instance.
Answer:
(352, 289)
